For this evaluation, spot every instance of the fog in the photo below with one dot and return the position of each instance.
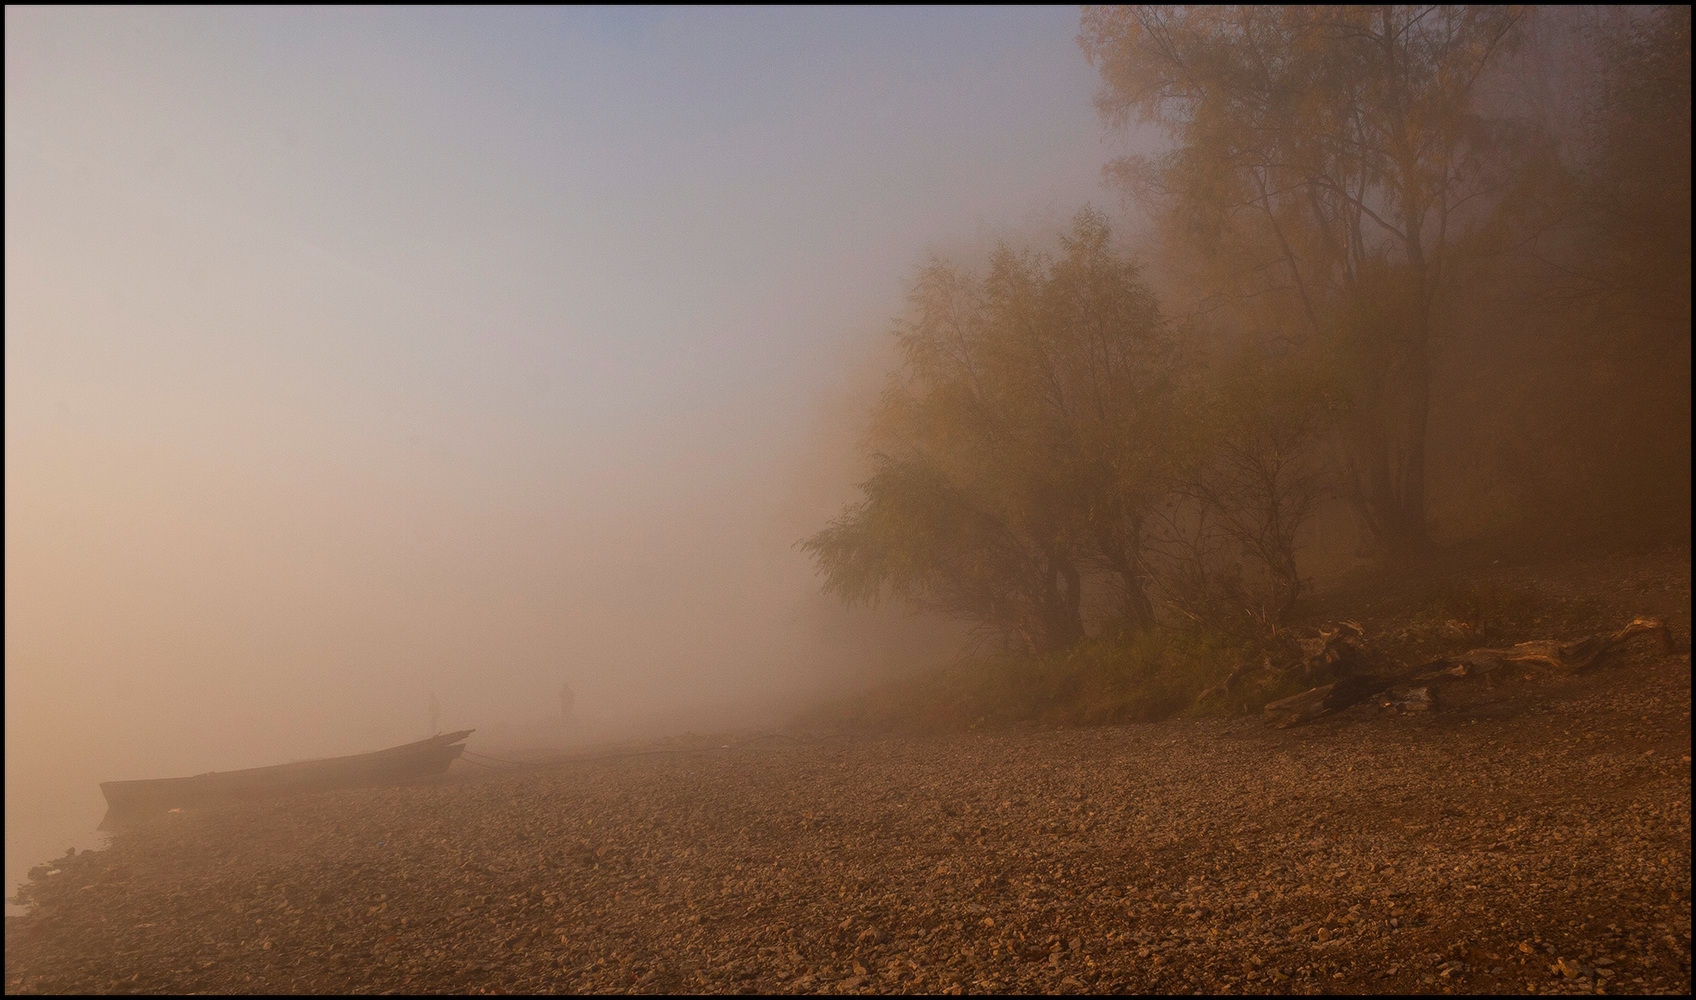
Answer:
(354, 357)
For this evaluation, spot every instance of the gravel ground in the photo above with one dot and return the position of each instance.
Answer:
(1535, 841)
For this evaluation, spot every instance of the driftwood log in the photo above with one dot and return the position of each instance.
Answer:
(1398, 691)
(1321, 701)
(1551, 654)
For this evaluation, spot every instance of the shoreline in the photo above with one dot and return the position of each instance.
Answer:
(1473, 851)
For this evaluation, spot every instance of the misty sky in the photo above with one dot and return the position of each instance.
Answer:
(357, 355)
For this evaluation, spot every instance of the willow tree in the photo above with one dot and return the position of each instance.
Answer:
(1632, 260)
(1639, 182)
(1014, 450)
(1250, 481)
(1326, 166)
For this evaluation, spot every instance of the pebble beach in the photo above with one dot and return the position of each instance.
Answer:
(1538, 845)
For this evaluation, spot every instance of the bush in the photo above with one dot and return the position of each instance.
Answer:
(1141, 676)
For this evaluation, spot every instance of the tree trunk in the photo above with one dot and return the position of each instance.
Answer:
(1413, 539)
(1063, 623)
(1138, 609)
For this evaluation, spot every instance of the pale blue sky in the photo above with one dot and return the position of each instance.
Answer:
(352, 354)
(631, 213)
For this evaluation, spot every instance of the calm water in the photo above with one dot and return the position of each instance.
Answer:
(31, 843)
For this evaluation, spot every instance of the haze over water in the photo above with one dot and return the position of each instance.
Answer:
(355, 356)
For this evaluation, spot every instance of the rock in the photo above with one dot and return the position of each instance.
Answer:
(1401, 699)
(1178, 852)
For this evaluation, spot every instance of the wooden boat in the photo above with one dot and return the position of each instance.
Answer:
(127, 800)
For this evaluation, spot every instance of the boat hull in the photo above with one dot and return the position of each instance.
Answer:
(126, 800)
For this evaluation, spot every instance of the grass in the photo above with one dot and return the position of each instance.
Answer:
(1410, 617)
(1142, 677)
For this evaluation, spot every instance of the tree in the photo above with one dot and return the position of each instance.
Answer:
(1105, 363)
(919, 538)
(1326, 164)
(1013, 451)
(1639, 183)
(1590, 309)
(1635, 250)
(1250, 483)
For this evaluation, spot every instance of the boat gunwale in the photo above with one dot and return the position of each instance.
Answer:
(418, 748)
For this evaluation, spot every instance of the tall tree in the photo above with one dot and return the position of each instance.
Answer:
(1014, 449)
(1639, 184)
(1629, 259)
(1590, 311)
(1326, 165)
(1254, 479)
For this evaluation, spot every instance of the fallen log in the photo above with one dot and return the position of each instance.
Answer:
(1569, 656)
(1320, 701)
